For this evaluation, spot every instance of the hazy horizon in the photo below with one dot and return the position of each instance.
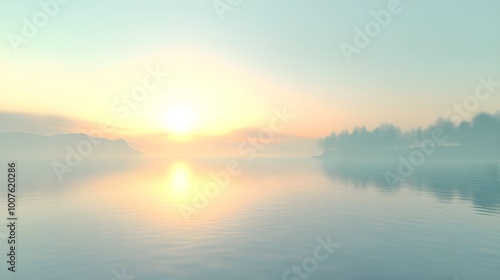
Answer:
(250, 139)
(203, 74)
(224, 144)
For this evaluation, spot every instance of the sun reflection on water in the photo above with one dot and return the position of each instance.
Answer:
(179, 182)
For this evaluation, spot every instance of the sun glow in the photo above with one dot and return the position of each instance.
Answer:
(180, 120)
(179, 180)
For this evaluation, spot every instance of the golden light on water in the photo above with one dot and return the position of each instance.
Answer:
(179, 181)
(161, 186)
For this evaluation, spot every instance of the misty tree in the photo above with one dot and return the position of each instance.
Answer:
(482, 133)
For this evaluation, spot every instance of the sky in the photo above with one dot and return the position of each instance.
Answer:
(229, 71)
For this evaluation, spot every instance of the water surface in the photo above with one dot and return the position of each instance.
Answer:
(443, 222)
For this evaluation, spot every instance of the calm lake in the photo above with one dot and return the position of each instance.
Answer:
(149, 218)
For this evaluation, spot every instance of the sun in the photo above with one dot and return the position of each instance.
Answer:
(180, 120)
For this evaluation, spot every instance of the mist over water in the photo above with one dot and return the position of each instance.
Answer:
(478, 138)
(440, 223)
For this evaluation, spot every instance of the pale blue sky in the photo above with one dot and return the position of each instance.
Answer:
(426, 59)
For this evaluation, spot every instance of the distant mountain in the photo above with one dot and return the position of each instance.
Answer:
(25, 145)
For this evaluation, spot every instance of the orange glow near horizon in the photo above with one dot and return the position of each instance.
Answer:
(207, 94)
